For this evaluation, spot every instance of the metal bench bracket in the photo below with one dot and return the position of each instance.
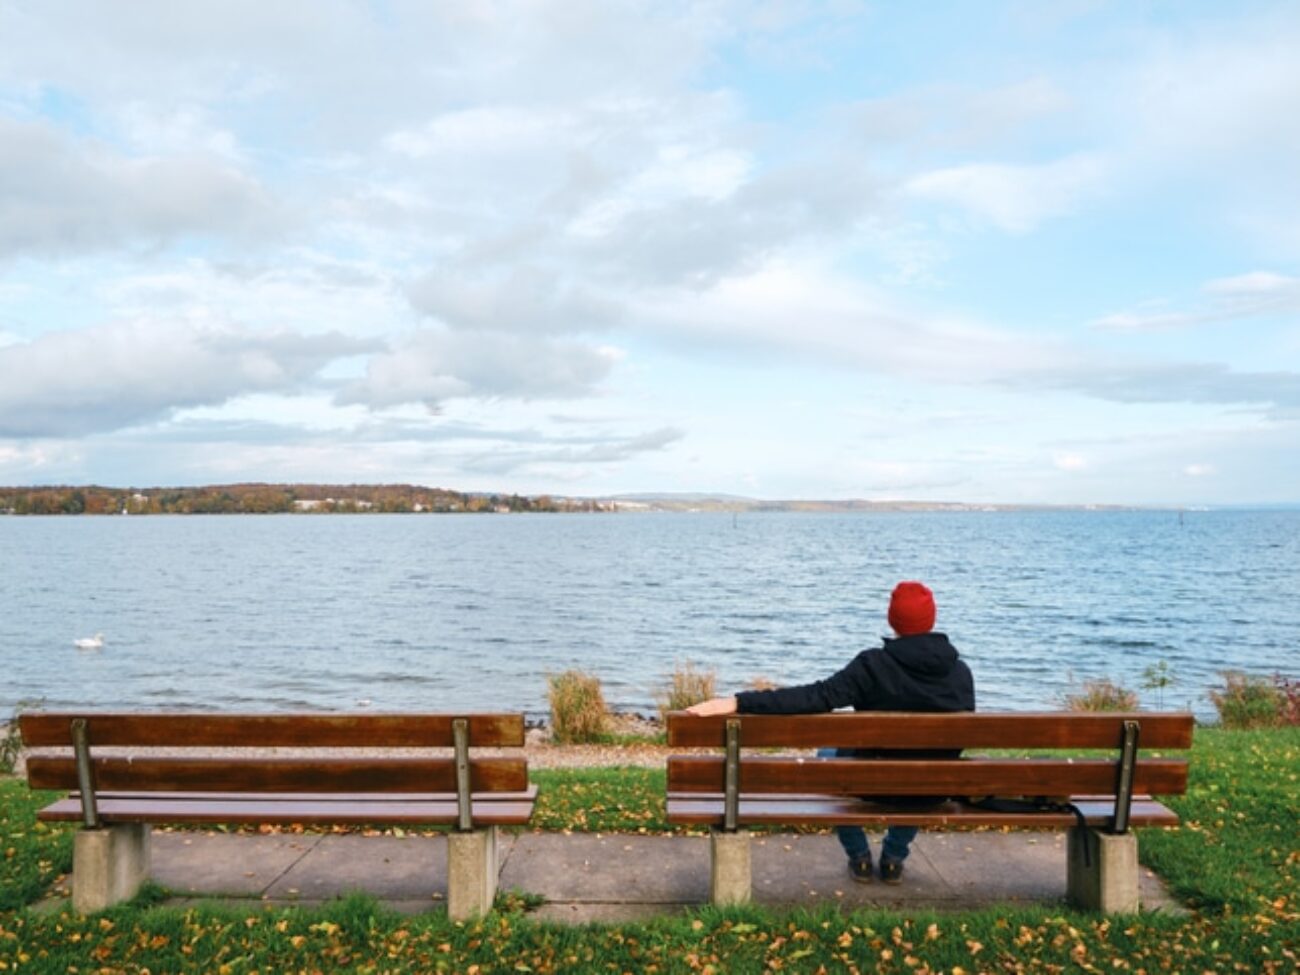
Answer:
(464, 801)
(85, 776)
(731, 783)
(1124, 787)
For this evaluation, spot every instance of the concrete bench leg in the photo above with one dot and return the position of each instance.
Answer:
(1109, 881)
(731, 879)
(471, 873)
(108, 865)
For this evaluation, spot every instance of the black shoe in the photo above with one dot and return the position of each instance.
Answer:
(891, 871)
(860, 868)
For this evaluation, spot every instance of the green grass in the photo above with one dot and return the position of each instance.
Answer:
(355, 935)
(600, 800)
(1237, 848)
(32, 854)
(629, 738)
(1235, 859)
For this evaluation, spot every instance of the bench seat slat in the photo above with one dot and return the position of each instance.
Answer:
(499, 809)
(960, 777)
(690, 810)
(53, 729)
(883, 729)
(308, 775)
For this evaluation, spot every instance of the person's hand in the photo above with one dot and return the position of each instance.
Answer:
(719, 705)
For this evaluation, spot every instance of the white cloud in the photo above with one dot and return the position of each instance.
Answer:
(435, 365)
(492, 190)
(480, 131)
(892, 479)
(97, 379)
(1015, 198)
(19, 461)
(1209, 110)
(523, 299)
(1212, 91)
(505, 460)
(307, 291)
(1141, 321)
(951, 118)
(1070, 462)
(1255, 284)
(466, 454)
(183, 131)
(62, 196)
(1198, 470)
(1161, 382)
(1251, 295)
(696, 241)
(806, 314)
(340, 74)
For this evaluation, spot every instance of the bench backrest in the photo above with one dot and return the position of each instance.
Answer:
(232, 772)
(909, 730)
(1120, 776)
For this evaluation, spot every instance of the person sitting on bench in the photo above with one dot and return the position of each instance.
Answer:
(918, 670)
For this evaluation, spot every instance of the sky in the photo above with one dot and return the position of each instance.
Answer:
(1001, 252)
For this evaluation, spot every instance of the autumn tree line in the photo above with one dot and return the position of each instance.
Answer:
(271, 499)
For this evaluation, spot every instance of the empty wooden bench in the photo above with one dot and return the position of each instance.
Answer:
(215, 770)
(1110, 794)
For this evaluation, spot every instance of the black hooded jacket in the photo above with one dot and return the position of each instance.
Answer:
(911, 673)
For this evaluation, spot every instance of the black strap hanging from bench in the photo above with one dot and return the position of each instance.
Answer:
(1035, 804)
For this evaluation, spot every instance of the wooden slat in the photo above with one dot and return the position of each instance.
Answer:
(831, 810)
(884, 729)
(507, 810)
(959, 777)
(190, 729)
(323, 775)
(368, 797)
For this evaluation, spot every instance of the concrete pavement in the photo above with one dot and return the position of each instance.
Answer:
(612, 877)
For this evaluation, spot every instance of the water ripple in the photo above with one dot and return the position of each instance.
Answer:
(289, 613)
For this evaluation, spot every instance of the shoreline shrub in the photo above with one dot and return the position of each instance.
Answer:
(1156, 677)
(687, 685)
(11, 739)
(578, 712)
(1289, 706)
(11, 746)
(1250, 700)
(1102, 694)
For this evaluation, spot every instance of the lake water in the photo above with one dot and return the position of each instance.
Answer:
(434, 612)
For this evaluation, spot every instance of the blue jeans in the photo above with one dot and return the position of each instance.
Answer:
(898, 839)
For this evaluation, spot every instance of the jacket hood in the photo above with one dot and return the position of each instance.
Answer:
(925, 654)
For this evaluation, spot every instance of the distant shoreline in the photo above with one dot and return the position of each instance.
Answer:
(321, 499)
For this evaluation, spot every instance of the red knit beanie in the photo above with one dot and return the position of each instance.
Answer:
(911, 609)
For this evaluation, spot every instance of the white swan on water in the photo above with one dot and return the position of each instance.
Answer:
(89, 642)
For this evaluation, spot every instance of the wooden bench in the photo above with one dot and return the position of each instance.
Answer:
(215, 770)
(1111, 794)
